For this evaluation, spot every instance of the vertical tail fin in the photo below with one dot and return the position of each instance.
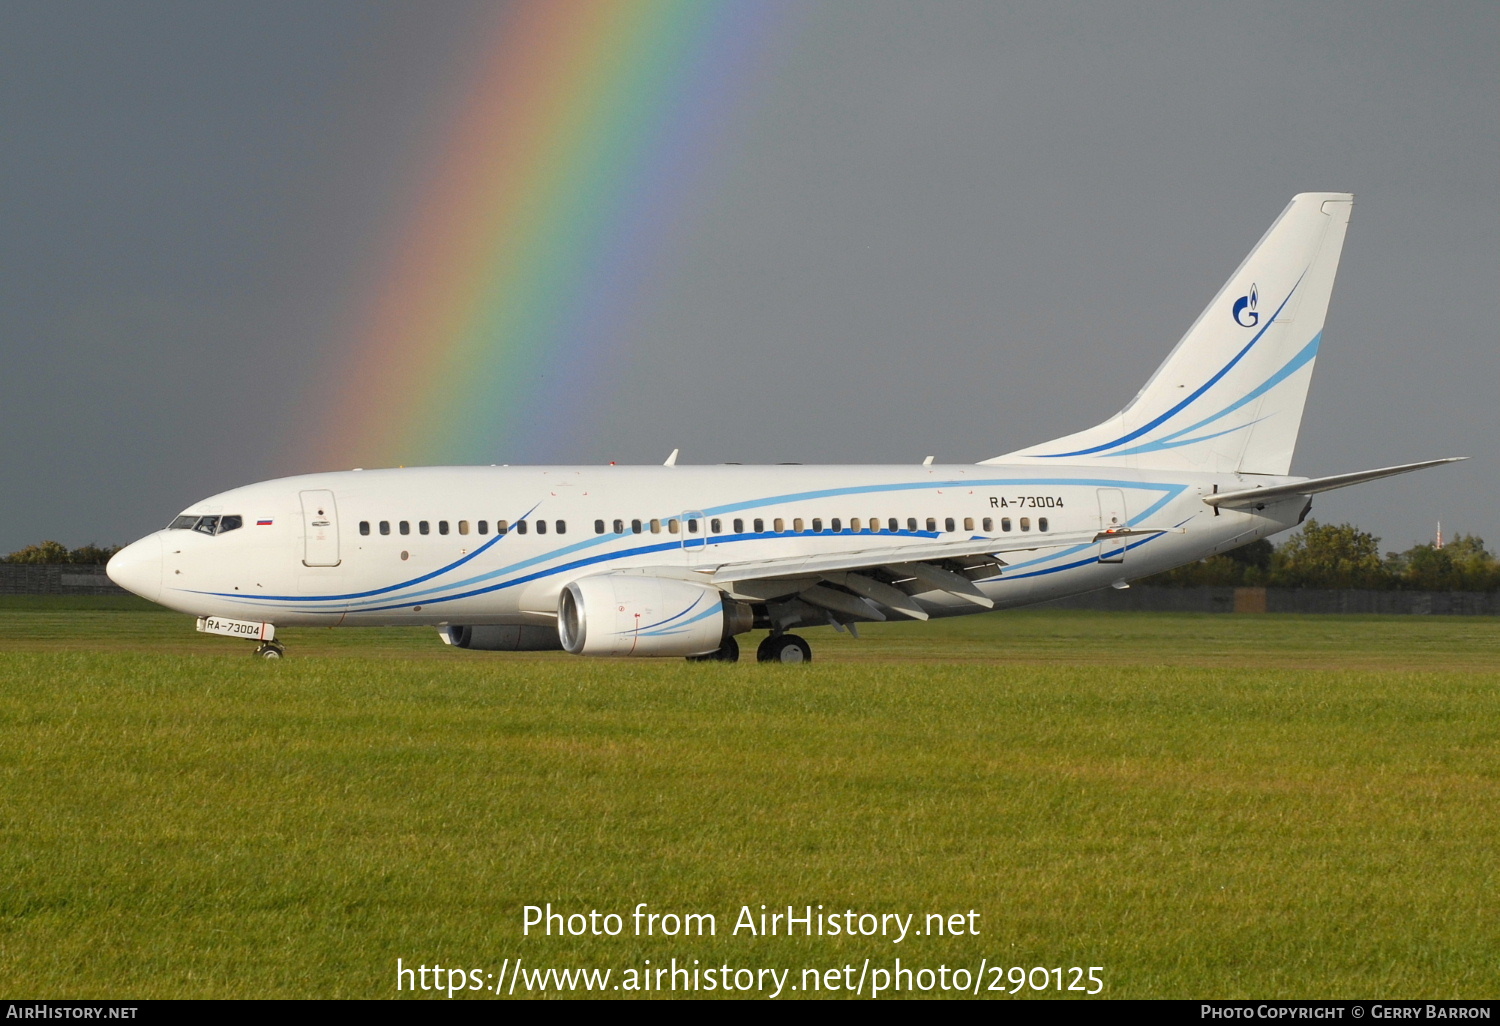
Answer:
(1229, 397)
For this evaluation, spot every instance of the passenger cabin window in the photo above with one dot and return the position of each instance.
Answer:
(1041, 523)
(739, 526)
(385, 527)
(692, 526)
(779, 525)
(364, 527)
(1005, 523)
(1025, 523)
(931, 524)
(501, 526)
(853, 524)
(911, 523)
(817, 525)
(442, 527)
(968, 523)
(463, 527)
(484, 526)
(541, 527)
(672, 526)
(715, 526)
(760, 526)
(422, 527)
(598, 527)
(405, 527)
(656, 527)
(989, 524)
(619, 527)
(562, 527)
(948, 524)
(520, 527)
(797, 525)
(635, 527)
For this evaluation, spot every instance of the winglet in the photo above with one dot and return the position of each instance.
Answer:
(672, 459)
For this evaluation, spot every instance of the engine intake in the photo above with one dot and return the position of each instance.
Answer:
(636, 615)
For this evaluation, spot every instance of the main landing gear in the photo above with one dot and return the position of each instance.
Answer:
(784, 648)
(778, 648)
(269, 650)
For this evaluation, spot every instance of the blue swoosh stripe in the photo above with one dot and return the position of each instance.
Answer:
(678, 628)
(1190, 399)
(1170, 491)
(1304, 356)
(662, 623)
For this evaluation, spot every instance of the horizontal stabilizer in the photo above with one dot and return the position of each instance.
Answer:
(1252, 497)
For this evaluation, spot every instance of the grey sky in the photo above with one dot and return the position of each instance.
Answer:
(948, 228)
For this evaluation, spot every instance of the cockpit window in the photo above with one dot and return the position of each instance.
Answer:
(206, 525)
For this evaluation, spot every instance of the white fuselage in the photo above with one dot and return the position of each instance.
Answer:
(425, 545)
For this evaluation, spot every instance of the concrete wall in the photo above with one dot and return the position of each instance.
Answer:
(1285, 600)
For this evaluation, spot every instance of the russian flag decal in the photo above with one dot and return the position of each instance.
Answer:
(262, 523)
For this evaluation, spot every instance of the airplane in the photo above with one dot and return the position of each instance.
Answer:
(683, 560)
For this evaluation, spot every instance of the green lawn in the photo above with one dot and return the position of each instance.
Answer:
(1205, 806)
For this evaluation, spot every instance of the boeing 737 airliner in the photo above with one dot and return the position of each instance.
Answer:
(679, 561)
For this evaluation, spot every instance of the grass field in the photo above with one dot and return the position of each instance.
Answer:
(1205, 806)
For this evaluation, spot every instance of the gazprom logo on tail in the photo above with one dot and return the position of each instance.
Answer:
(1244, 309)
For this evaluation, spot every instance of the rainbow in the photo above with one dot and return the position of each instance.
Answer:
(578, 149)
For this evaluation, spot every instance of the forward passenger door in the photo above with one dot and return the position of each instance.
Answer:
(320, 528)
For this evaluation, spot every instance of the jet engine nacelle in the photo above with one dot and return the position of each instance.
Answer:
(637, 615)
(518, 638)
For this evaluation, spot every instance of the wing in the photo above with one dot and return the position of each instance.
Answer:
(868, 583)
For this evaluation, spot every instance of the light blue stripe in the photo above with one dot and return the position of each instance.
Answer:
(1170, 492)
(1192, 398)
(662, 623)
(1303, 357)
(677, 628)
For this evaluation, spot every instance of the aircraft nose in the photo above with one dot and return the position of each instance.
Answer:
(137, 567)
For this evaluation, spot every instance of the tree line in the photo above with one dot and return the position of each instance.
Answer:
(1318, 556)
(1343, 556)
(57, 552)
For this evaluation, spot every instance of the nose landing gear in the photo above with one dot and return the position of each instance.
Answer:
(269, 650)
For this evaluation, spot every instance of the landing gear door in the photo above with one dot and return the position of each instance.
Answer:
(320, 529)
(1112, 518)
